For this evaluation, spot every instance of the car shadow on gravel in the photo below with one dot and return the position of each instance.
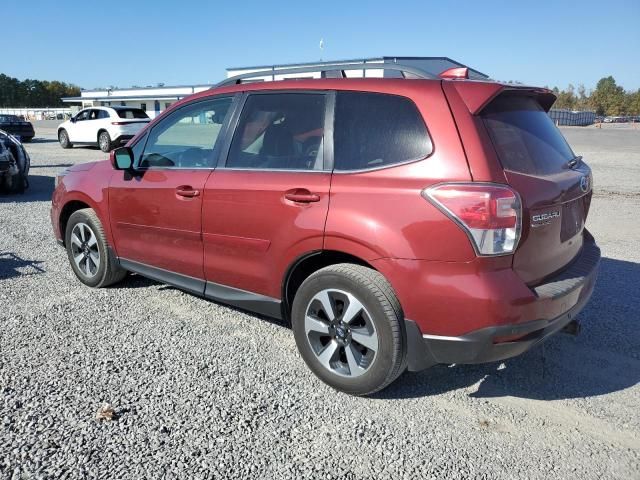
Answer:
(134, 280)
(43, 140)
(40, 189)
(603, 358)
(11, 265)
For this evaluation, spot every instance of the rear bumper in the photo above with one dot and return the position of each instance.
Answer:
(572, 287)
(22, 132)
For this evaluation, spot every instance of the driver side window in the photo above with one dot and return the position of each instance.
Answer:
(187, 138)
(83, 115)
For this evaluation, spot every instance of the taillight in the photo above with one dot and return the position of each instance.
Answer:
(119, 123)
(490, 214)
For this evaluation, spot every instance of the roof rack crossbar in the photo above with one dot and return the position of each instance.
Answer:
(327, 67)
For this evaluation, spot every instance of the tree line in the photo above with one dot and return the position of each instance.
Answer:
(34, 93)
(608, 98)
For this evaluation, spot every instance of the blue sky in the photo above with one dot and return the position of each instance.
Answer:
(126, 43)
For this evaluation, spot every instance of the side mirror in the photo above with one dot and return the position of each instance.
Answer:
(73, 119)
(122, 158)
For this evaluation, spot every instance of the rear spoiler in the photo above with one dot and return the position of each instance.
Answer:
(477, 95)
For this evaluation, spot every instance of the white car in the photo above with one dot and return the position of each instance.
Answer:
(105, 127)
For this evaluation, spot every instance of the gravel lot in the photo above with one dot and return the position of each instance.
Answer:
(201, 390)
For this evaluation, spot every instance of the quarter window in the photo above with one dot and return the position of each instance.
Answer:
(280, 131)
(188, 137)
(376, 130)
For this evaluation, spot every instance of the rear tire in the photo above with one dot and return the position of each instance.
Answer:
(92, 261)
(104, 141)
(63, 138)
(363, 348)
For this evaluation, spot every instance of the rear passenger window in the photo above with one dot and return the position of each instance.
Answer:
(376, 130)
(280, 131)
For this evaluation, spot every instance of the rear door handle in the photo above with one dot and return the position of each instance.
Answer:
(301, 195)
(187, 192)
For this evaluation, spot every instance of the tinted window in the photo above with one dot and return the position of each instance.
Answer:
(374, 130)
(524, 136)
(131, 113)
(280, 131)
(103, 114)
(187, 138)
(83, 115)
(9, 118)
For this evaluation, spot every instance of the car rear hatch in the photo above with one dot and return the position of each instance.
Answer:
(534, 158)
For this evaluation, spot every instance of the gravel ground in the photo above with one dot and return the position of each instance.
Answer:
(200, 390)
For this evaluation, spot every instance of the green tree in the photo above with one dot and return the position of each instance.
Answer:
(608, 98)
(34, 93)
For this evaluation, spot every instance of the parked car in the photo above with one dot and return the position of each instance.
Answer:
(14, 164)
(105, 127)
(395, 223)
(19, 128)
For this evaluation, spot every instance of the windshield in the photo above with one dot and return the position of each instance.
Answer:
(131, 113)
(524, 136)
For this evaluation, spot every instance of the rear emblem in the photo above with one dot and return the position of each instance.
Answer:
(584, 183)
(544, 218)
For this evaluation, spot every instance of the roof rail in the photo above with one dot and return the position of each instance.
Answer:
(327, 67)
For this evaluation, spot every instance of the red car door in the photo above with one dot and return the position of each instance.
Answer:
(156, 211)
(268, 204)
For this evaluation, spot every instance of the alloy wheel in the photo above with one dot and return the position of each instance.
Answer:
(341, 333)
(84, 249)
(104, 142)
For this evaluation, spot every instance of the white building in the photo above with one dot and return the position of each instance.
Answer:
(151, 99)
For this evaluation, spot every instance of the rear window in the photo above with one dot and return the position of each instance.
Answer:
(376, 130)
(9, 118)
(131, 113)
(525, 137)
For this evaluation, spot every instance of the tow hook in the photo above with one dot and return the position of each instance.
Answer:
(572, 328)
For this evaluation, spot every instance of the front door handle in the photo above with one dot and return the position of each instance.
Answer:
(187, 191)
(302, 195)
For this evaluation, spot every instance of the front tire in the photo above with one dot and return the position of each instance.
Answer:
(349, 328)
(104, 142)
(63, 138)
(92, 261)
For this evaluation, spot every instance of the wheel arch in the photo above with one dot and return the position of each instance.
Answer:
(100, 130)
(66, 211)
(307, 264)
(77, 202)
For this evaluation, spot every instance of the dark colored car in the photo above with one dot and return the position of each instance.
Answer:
(17, 127)
(14, 164)
(395, 223)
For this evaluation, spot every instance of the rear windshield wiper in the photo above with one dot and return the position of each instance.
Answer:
(574, 161)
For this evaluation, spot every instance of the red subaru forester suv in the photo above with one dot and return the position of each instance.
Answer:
(396, 223)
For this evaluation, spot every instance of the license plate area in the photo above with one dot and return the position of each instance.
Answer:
(572, 219)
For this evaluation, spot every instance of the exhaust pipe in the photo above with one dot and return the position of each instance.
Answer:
(572, 328)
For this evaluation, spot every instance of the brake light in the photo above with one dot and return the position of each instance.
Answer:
(119, 123)
(490, 214)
